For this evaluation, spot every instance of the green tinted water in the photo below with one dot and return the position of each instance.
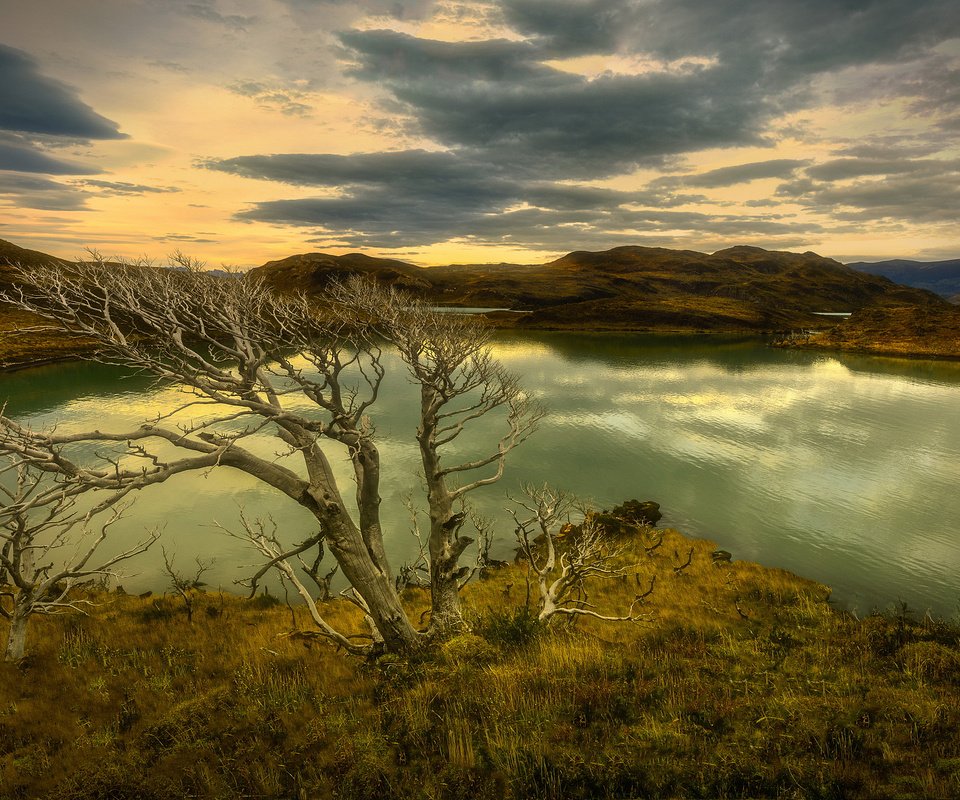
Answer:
(841, 468)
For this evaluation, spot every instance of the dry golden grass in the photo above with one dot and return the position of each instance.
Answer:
(20, 346)
(743, 682)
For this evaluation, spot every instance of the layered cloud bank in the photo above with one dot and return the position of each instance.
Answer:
(485, 129)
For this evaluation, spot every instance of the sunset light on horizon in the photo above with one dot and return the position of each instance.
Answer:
(449, 131)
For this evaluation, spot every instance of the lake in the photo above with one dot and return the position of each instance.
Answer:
(841, 468)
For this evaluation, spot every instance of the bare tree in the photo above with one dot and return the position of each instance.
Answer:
(564, 558)
(262, 534)
(449, 357)
(246, 359)
(48, 543)
(184, 584)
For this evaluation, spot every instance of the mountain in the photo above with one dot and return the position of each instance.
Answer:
(627, 288)
(942, 277)
(739, 289)
(13, 254)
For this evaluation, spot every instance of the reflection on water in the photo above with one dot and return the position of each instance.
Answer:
(841, 468)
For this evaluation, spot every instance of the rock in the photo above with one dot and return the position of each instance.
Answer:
(638, 513)
(721, 556)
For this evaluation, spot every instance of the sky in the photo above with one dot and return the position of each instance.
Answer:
(449, 131)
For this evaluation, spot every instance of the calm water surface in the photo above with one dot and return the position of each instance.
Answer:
(841, 468)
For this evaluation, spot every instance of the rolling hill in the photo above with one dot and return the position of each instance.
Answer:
(627, 288)
(740, 289)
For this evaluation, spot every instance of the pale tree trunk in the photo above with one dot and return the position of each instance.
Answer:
(22, 606)
(445, 544)
(372, 583)
(359, 551)
(446, 547)
(17, 637)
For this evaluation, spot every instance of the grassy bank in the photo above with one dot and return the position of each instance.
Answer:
(743, 682)
(26, 341)
(891, 330)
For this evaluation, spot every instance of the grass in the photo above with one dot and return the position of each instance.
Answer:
(931, 331)
(744, 682)
(26, 341)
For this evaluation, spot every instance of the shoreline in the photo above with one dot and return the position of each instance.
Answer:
(740, 681)
(48, 354)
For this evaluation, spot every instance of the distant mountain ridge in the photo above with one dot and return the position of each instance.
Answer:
(740, 289)
(627, 288)
(942, 277)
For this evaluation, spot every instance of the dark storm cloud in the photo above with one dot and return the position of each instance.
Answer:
(888, 147)
(396, 9)
(184, 237)
(35, 109)
(936, 88)
(113, 188)
(920, 192)
(908, 199)
(517, 131)
(496, 101)
(287, 100)
(11, 182)
(33, 103)
(19, 154)
(569, 27)
(740, 173)
(498, 98)
(806, 37)
(32, 191)
(846, 168)
(421, 193)
(391, 200)
(390, 53)
(420, 172)
(206, 12)
(379, 222)
(427, 196)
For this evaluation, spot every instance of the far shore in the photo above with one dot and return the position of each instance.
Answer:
(24, 350)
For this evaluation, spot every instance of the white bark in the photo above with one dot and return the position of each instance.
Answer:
(449, 357)
(47, 544)
(17, 636)
(564, 559)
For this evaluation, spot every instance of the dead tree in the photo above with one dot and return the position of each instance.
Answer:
(49, 543)
(251, 363)
(449, 357)
(262, 534)
(564, 558)
(183, 584)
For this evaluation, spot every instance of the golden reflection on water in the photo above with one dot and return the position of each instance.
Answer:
(840, 468)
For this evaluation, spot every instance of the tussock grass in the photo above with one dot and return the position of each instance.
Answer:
(741, 682)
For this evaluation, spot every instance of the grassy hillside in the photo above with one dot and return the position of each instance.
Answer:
(892, 328)
(742, 682)
(25, 339)
(741, 289)
(628, 288)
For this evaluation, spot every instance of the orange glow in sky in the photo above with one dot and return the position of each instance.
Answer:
(440, 131)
